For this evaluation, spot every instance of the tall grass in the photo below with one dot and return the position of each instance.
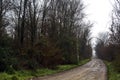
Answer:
(112, 74)
(26, 74)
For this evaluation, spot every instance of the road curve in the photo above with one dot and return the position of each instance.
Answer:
(93, 70)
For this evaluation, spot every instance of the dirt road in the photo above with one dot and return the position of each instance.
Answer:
(93, 70)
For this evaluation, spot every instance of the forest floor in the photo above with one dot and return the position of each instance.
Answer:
(93, 70)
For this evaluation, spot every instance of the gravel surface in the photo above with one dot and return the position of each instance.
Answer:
(93, 70)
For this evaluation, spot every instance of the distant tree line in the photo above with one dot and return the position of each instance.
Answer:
(42, 33)
(109, 48)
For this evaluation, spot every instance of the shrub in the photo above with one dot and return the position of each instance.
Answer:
(116, 63)
(14, 78)
(48, 52)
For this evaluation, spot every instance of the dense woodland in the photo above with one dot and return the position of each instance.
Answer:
(42, 33)
(46, 33)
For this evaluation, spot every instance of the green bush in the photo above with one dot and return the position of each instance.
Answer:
(4, 76)
(6, 54)
(14, 78)
(116, 63)
(112, 73)
(4, 59)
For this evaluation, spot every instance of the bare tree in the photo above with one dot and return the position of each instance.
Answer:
(27, 14)
(19, 9)
(4, 7)
(33, 18)
(115, 27)
(44, 14)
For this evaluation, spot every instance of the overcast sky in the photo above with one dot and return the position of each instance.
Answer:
(99, 13)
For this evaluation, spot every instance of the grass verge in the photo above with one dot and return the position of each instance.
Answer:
(24, 75)
(112, 74)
